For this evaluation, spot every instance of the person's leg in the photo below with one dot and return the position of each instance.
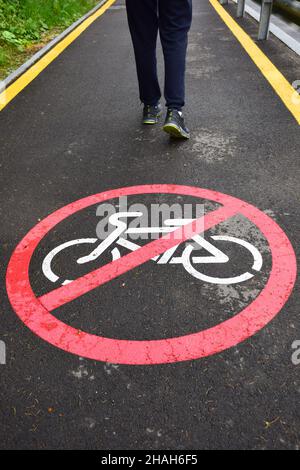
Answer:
(143, 25)
(175, 19)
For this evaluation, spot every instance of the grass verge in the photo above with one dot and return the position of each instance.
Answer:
(27, 25)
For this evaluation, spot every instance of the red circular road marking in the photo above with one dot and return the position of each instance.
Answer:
(194, 346)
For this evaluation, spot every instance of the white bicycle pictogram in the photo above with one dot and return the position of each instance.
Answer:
(187, 259)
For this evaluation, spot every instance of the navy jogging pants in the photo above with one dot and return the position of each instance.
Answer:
(172, 20)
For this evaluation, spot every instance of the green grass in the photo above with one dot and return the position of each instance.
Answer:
(26, 25)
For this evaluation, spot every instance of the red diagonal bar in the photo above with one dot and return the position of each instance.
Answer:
(91, 281)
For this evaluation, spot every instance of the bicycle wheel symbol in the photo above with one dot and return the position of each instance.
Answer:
(187, 260)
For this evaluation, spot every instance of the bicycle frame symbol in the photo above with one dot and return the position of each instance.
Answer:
(187, 259)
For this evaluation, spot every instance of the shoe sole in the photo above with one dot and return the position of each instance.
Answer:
(175, 131)
(149, 122)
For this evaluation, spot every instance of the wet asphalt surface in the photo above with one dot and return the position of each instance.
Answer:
(74, 132)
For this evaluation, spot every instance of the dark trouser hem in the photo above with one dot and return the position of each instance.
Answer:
(172, 20)
(150, 103)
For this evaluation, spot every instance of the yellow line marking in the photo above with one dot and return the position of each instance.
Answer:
(280, 84)
(15, 88)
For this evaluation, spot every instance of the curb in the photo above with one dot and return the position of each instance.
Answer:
(40, 54)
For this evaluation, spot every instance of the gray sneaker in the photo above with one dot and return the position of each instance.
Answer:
(175, 125)
(151, 114)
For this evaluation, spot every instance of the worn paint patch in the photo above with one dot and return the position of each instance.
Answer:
(213, 147)
(203, 71)
(243, 228)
